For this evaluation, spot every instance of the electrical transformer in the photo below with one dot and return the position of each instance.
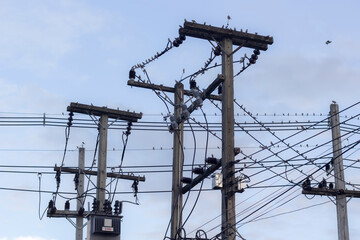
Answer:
(217, 181)
(103, 227)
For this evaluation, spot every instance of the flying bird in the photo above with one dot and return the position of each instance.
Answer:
(327, 42)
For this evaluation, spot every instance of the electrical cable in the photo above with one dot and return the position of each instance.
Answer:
(41, 216)
(202, 182)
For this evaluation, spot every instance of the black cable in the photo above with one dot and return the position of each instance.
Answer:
(298, 183)
(58, 175)
(192, 173)
(202, 182)
(287, 212)
(92, 164)
(121, 162)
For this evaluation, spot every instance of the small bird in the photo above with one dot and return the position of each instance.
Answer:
(327, 42)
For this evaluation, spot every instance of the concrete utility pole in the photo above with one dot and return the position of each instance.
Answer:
(341, 204)
(80, 189)
(101, 176)
(226, 38)
(339, 191)
(177, 189)
(228, 168)
(178, 156)
(102, 224)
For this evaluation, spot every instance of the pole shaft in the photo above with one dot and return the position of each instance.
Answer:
(176, 205)
(228, 196)
(341, 207)
(79, 219)
(101, 177)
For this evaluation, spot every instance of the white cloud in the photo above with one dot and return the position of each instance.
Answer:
(28, 98)
(27, 238)
(37, 35)
(30, 238)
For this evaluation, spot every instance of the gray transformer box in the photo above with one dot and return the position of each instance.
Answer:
(103, 227)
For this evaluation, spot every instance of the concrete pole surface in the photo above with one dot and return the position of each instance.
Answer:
(228, 169)
(79, 219)
(101, 177)
(176, 204)
(341, 204)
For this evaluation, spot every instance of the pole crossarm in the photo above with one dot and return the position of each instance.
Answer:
(331, 192)
(207, 173)
(89, 172)
(99, 111)
(66, 214)
(74, 214)
(239, 38)
(166, 89)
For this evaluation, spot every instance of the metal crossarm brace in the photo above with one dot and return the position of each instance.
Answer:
(205, 94)
(207, 173)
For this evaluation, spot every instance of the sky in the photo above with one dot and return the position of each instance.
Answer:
(56, 52)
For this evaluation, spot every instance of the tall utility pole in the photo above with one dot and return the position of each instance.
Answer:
(104, 113)
(341, 205)
(101, 224)
(339, 192)
(177, 189)
(101, 176)
(178, 156)
(226, 38)
(228, 168)
(80, 189)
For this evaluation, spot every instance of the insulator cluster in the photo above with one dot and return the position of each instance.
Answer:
(70, 119)
(254, 56)
(58, 178)
(117, 207)
(179, 40)
(128, 129)
(135, 187)
(217, 51)
(107, 207)
(76, 180)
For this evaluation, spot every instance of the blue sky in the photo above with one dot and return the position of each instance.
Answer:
(56, 52)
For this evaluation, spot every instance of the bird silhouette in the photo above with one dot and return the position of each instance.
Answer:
(327, 42)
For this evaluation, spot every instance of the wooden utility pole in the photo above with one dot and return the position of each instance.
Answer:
(341, 204)
(178, 156)
(226, 38)
(80, 189)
